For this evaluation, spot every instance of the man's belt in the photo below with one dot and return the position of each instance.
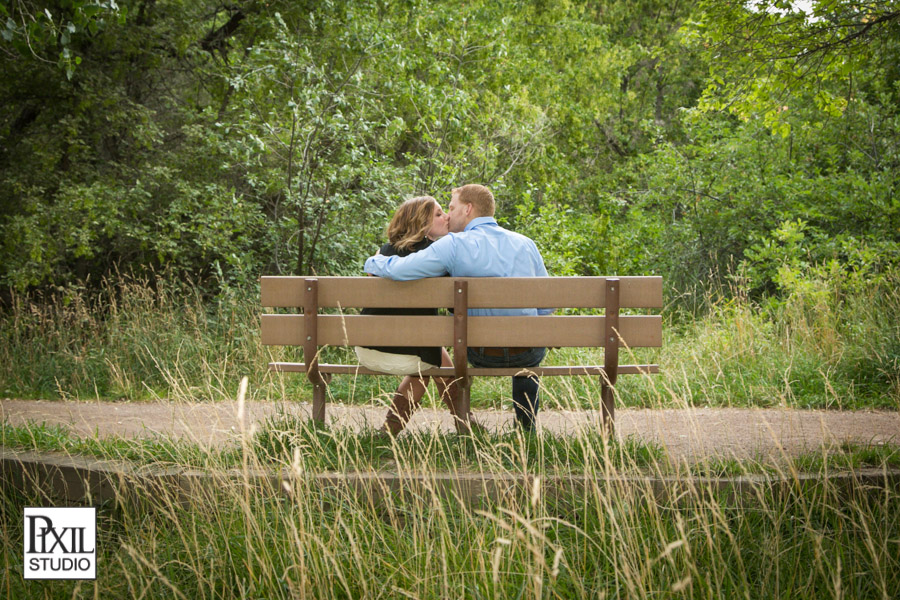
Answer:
(500, 351)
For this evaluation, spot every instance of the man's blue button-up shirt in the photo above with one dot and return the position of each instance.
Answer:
(483, 249)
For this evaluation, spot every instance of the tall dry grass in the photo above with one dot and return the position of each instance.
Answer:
(825, 345)
(130, 339)
(619, 532)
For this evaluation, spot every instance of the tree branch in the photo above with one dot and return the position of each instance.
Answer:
(215, 40)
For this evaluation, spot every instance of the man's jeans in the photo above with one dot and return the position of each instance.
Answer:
(524, 388)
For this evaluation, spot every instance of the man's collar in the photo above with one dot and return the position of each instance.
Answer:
(480, 221)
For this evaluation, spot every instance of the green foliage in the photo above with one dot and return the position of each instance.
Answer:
(717, 145)
(255, 137)
(830, 343)
(108, 167)
(788, 160)
(55, 31)
(572, 242)
(202, 138)
(737, 193)
(774, 49)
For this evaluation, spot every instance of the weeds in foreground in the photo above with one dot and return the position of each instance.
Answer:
(307, 537)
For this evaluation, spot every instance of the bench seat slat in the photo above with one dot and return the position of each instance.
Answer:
(507, 292)
(288, 367)
(557, 331)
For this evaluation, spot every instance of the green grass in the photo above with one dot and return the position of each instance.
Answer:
(327, 449)
(625, 533)
(41, 437)
(290, 439)
(846, 457)
(850, 456)
(287, 439)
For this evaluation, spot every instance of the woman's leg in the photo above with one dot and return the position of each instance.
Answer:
(448, 388)
(406, 400)
(409, 395)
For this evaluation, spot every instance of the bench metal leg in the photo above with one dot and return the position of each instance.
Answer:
(610, 355)
(318, 410)
(607, 406)
(465, 405)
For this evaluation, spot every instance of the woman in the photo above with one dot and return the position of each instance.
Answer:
(414, 226)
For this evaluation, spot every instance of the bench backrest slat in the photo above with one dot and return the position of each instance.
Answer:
(509, 292)
(559, 331)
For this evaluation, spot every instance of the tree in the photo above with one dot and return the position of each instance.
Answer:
(341, 111)
(54, 32)
(765, 51)
(99, 165)
(791, 158)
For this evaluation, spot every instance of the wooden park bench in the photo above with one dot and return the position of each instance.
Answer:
(340, 327)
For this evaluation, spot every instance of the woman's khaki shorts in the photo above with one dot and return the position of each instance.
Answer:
(395, 364)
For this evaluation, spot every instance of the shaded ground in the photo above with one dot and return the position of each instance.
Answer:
(686, 434)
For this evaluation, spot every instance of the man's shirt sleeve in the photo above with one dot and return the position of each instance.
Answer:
(434, 261)
(540, 271)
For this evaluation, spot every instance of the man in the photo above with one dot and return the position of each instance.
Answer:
(478, 247)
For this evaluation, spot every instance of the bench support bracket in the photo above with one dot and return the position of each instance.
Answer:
(311, 348)
(461, 345)
(610, 354)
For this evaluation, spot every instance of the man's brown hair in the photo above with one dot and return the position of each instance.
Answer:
(479, 197)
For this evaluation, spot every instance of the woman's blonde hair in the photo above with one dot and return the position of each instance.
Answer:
(411, 222)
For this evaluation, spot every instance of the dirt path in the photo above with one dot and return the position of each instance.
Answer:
(686, 434)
